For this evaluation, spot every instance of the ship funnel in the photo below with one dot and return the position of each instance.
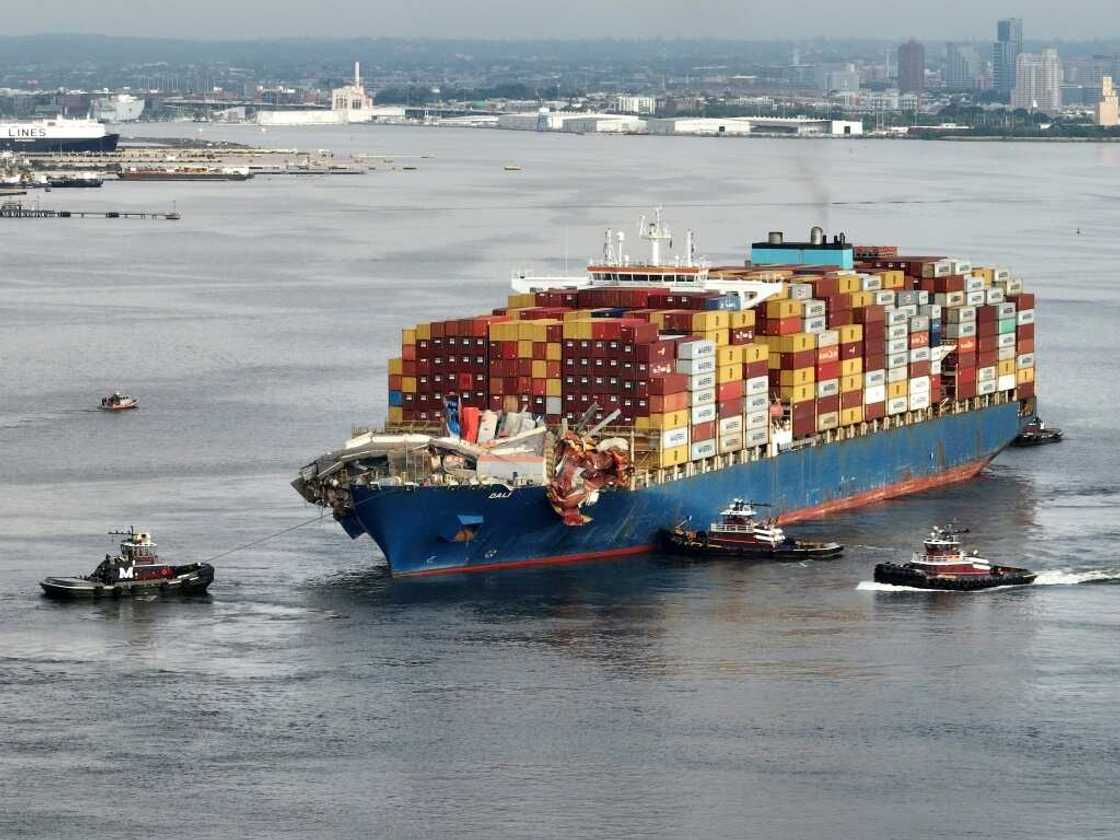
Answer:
(816, 235)
(775, 237)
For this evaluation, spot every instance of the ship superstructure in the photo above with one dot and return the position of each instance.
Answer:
(592, 412)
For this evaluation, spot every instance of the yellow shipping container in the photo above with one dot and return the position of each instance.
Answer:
(408, 384)
(850, 416)
(799, 393)
(539, 369)
(801, 376)
(783, 308)
(861, 299)
(984, 273)
(850, 333)
(521, 301)
(897, 389)
(577, 314)
(893, 278)
(525, 330)
(525, 349)
(739, 320)
(673, 457)
(1024, 375)
(704, 321)
(408, 336)
(578, 329)
(718, 337)
(732, 354)
(848, 283)
(424, 332)
(828, 420)
(756, 352)
(1006, 367)
(396, 367)
(797, 342)
(503, 331)
(554, 351)
(552, 388)
(396, 414)
(729, 373)
(853, 382)
(851, 367)
(669, 420)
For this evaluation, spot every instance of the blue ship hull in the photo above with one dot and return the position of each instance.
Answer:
(416, 527)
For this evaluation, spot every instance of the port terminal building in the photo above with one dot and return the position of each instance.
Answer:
(583, 122)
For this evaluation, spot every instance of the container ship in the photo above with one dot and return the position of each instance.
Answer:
(590, 413)
(58, 134)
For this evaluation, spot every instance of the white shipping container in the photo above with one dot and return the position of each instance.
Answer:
(757, 385)
(1005, 340)
(919, 354)
(701, 381)
(898, 330)
(674, 437)
(897, 374)
(828, 388)
(1025, 361)
(896, 360)
(1001, 274)
(828, 338)
(815, 325)
(896, 316)
(961, 314)
(983, 388)
(554, 405)
(1014, 286)
(1006, 382)
(691, 367)
(931, 311)
(800, 291)
(898, 405)
(704, 413)
(871, 378)
(708, 395)
(938, 268)
(994, 295)
(1005, 353)
(898, 345)
(696, 349)
(918, 385)
(919, 401)
(961, 266)
(871, 283)
(702, 449)
(949, 298)
(919, 323)
(730, 425)
(1006, 310)
(964, 329)
(874, 394)
(756, 402)
(730, 443)
(935, 368)
(758, 437)
(986, 374)
(974, 298)
(1025, 317)
(813, 309)
(757, 420)
(909, 310)
(974, 284)
(884, 297)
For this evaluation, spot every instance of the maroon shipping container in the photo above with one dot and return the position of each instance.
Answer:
(799, 359)
(670, 384)
(851, 399)
(704, 431)
(869, 314)
(875, 411)
(827, 404)
(827, 370)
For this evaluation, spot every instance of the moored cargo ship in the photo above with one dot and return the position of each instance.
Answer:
(57, 134)
(818, 375)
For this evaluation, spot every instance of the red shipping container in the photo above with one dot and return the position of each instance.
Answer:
(465, 381)
(1024, 300)
(827, 404)
(875, 331)
(851, 350)
(1025, 345)
(538, 387)
(987, 359)
(663, 404)
(730, 408)
(704, 431)
(785, 326)
(952, 283)
(919, 339)
(840, 318)
(730, 390)
(804, 426)
(805, 409)
(869, 314)
(829, 370)
(919, 369)
(966, 344)
(875, 361)
(875, 411)
(987, 314)
(851, 399)
(800, 359)
(828, 354)
(742, 335)
(1026, 389)
(669, 384)
(1024, 331)
(408, 367)
(752, 370)
(524, 367)
(964, 375)
(395, 381)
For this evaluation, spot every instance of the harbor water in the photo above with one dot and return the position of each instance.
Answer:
(309, 695)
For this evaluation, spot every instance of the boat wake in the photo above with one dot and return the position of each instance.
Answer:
(1056, 577)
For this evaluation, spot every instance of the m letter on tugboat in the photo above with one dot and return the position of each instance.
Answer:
(125, 572)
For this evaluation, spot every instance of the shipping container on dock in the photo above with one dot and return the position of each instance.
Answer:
(818, 377)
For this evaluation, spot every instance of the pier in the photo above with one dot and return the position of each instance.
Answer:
(16, 210)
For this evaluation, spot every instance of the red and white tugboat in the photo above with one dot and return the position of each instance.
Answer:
(137, 570)
(739, 533)
(117, 401)
(945, 566)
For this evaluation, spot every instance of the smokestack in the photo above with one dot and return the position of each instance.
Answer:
(775, 237)
(357, 74)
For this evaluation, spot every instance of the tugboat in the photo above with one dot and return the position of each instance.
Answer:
(945, 566)
(1036, 433)
(137, 570)
(739, 533)
(117, 401)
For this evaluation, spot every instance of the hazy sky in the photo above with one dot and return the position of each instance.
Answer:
(746, 19)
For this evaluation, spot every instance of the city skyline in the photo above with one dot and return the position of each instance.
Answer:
(250, 19)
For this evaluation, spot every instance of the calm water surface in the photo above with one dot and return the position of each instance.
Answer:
(311, 696)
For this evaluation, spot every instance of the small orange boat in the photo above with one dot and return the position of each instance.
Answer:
(117, 401)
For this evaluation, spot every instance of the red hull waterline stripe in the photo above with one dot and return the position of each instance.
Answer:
(901, 488)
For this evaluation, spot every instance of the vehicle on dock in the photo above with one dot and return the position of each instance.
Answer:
(1037, 433)
(740, 533)
(944, 565)
(117, 401)
(136, 570)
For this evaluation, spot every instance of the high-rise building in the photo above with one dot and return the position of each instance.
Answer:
(962, 66)
(1038, 82)
(1005, 54)
(911, 67)
(1108, 107)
